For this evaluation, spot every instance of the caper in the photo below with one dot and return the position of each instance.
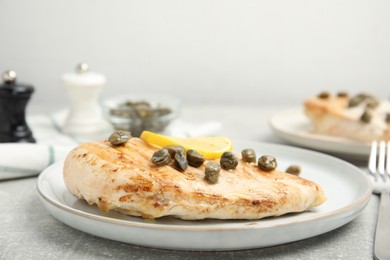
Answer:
(387, 118)
(212, 172)
(194, 158)
(294, 169)
(248, 155)
(229, 161)
(161, 157)
(119, 137)
(356, 100)
(372, 103)
(323, 95)
(267, 163)
(180, 161)
(342, 94)
(173, 149)
(366, 116)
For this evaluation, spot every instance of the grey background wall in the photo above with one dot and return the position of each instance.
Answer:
(203, 51)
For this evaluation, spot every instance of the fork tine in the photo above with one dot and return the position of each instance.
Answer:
(373, 158)
(382, 159)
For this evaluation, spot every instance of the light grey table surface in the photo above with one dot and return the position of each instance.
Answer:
(28, 231)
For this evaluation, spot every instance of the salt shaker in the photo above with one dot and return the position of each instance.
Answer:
(85, 118)
(13, 101)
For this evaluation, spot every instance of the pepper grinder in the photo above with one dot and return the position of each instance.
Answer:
(85, 118)
(13, 101)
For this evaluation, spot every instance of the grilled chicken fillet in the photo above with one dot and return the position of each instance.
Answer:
(124, 179)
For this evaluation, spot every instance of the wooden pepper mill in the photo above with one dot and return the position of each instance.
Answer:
(13, 101)
(85, 118)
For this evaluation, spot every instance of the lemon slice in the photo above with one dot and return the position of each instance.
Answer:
(210, 147)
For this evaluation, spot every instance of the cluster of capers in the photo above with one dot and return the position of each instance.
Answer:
(176, 153)
(363, 98)
(181, 160)
(119, 137)
(228, 161)
(370, 104)
(369, 101)
(265, 162)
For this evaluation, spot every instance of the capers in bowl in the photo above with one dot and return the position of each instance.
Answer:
(228, 161)
(161, 157)
(267, 163)
(248, 155)
(137, 113)
(212, 172)
(194, 158)
(119, 137)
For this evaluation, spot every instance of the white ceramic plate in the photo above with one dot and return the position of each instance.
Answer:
(346, 187)
(293, 126)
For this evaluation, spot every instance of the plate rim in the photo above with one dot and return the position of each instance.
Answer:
(359, 202)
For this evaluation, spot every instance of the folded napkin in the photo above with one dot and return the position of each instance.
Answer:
(22, 160)
(26, 159)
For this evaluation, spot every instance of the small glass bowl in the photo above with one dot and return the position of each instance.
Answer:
(136, 113)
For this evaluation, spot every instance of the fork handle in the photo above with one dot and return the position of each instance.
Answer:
(382, 234)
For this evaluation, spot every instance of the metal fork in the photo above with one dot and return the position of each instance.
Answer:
(379, 167)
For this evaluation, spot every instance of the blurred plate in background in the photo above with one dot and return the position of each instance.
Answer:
(293, 126)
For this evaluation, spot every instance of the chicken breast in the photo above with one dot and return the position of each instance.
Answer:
(333, 116)
(124, 179)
